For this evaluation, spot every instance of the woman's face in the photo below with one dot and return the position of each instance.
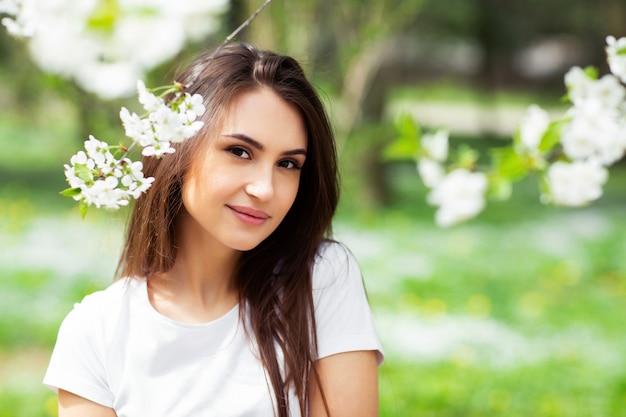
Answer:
(243, 183)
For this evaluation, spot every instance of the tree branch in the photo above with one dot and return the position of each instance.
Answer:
(241, 27)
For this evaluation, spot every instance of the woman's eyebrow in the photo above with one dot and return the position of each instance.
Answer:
(259, 146)
(246, 139)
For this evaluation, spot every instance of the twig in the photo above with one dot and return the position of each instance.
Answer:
(241, 27)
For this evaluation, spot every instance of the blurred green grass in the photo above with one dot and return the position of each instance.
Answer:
(519, 312)
(555, 278)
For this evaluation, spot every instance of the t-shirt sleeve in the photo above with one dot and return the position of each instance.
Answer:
(342, 313)
(77, 364)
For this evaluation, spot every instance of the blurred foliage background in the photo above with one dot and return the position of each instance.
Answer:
(520, 312)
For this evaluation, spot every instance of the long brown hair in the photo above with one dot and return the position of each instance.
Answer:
(274, 279)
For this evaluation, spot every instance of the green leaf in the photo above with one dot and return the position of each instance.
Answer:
(517, 137)
(621, 51)
(591, 72)
(83, 173)
(500, 189)
(508, 164)
(407, 126)
(82, 207)
(70, 192)
(406, 145)
(104, 16)
(552, 136)
(466, 157)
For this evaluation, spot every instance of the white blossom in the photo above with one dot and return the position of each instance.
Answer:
(431, 172)
(133, 178)
(608, 91)
(99, 152)
(594, 131)
(104, 193)
(616, 56)
(18, 21)
(105, 53)
(596, 126)
(459, 196)
(150, 102)
(136, 128)
(94, 145)
(168, 36)
(167, 125)
(158, 149)
(191, 128)
(193, 106)
(108, 185)
(109, 80)
(81, 159)
(578, 139)
(576, 183)
(10, 7)
(17, 28)
(577, 83)
(533, 126)
(136, 188)
(435, 145)
(77, 51)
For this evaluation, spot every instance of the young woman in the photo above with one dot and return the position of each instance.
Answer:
(232, 301)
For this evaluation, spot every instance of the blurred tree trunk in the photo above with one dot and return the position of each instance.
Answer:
(370, 77)
(614, 16)
(370, 66)
(486, 34)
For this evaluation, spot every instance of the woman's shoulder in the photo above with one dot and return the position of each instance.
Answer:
(115, 292)
(334, 263)
(333, 251)
(343, 317)
(106, 303)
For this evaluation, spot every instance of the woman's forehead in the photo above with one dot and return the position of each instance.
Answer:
(266, 117)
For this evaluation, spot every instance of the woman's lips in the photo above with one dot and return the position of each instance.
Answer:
(249, 215)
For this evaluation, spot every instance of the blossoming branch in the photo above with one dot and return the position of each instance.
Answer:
(570, 155)
(98, 177)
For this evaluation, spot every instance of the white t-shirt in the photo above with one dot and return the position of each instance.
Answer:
(115, 349)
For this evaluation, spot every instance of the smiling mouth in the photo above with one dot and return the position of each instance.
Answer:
(249, 215)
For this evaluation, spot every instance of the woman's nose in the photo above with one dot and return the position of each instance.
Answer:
(261, 184)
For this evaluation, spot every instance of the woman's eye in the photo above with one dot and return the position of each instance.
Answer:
(239, 152)
(289, 164)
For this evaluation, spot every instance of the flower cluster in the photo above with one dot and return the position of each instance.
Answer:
(593, 132)
(593, 137)
(570, 155)
(88, 40)
(96, 177)
(616, 56)
(459, 194)
(163, 124)
(18, 21)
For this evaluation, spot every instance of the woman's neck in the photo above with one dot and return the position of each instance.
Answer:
(200, 287)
